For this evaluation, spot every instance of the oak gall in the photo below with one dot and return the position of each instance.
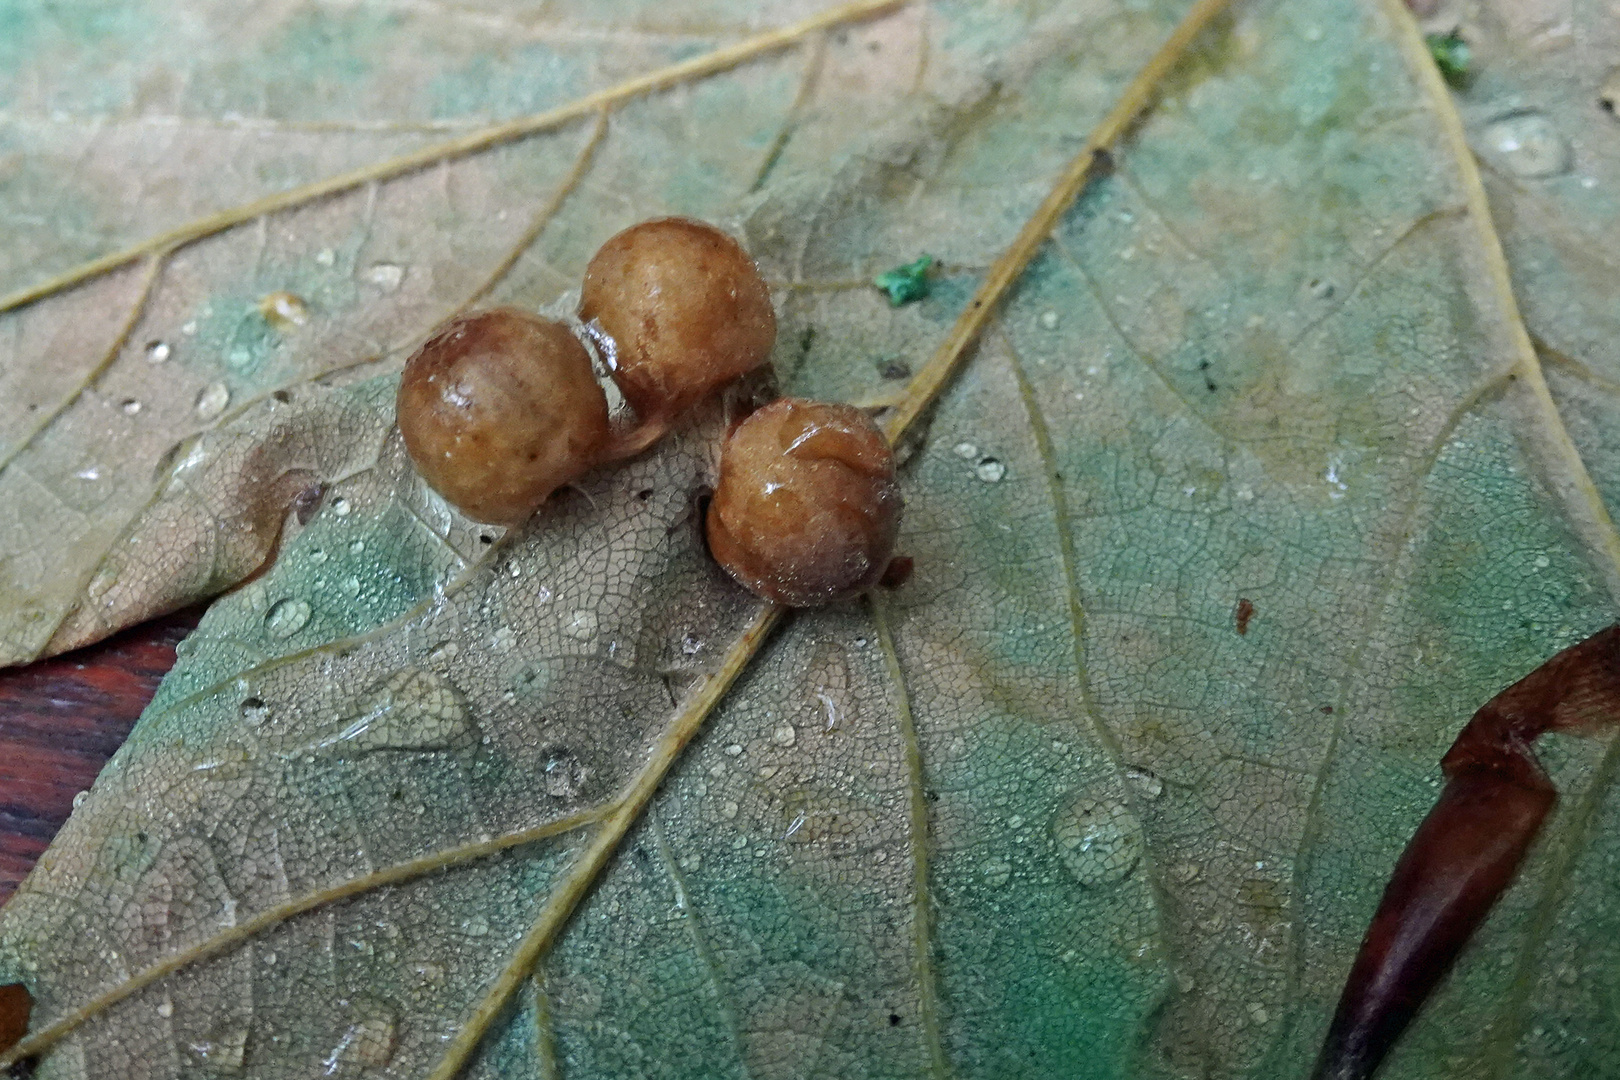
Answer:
(685, 308)
(807, 509)
(498, 409)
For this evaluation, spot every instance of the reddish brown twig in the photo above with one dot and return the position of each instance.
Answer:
(1467, 850)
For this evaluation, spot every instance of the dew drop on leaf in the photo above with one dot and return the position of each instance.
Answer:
(222, 1054)
(412, 709)
(286, 617)
(990, 470)
(1099, 840)
(158, 351)
(367, 1043)
(581, 625)
(1529, 145)
(212, 401)
(563, 775)
(386, 276)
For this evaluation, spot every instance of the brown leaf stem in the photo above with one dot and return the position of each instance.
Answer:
(1465, 853)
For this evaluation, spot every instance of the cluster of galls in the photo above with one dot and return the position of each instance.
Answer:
(500, 408)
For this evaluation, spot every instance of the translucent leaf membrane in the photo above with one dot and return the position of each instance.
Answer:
(1043, 808)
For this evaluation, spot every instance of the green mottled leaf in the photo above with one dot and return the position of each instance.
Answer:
(1047, 810)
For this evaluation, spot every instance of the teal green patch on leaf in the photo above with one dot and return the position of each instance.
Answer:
(907, 283)
(1452, 56)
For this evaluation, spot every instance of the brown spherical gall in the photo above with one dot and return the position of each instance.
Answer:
(807, 508)
(498, 410)
(686, 309)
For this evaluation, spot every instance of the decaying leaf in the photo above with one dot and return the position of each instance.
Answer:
(1041, 811)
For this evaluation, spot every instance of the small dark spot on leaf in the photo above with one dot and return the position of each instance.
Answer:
(397, 794)
(644, 494)
(1243, 613)
(485, 538)
(807, 339)
(641, 853)
(281, 396)
(896, 369)
(1327, 710)
(894, 1019)
(140, 838)
(931, 795)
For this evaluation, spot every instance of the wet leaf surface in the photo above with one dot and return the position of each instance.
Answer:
(1044, 810)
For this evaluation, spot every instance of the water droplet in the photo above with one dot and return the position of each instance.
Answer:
(784, 735)
(286, 617)
(1320, 288)
(386, 276)
(1099, 840)
(129, 406)
(351, 585)
(357, 547)
(505, 638)
(1049, 319)
(830, 707)
(990, 470)
(690, 645)
(997, 872)
(581, 625)
(213, 399)
(691, 862)
(341, 506)
(965, 450)
(158, 351)
(165, 1009)
(1529, 144)
(284, 310)
(221, 1054)
(92, 473)
(1542, 562)
(563, 775)
(477, 926)
(326, 257)
(412, 709)
(79, 797)
(728, 809)
(369, 1042)
(734, 750)
(1145, 782)
(254, 711)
